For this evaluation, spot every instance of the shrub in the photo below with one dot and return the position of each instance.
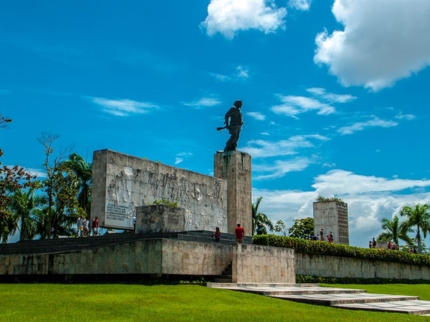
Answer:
(354, 280)
(165, 202)
(329, 249)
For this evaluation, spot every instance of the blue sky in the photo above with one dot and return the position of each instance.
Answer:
(335, 93)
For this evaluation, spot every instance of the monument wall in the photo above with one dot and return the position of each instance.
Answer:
(262, 264)
(334, 266)
(332, 216)
(151, 256)
(250, 263)
(122, 182)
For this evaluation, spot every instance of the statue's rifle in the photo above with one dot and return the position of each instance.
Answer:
(223, 127)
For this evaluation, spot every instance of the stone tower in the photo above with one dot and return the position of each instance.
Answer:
(332, 216)
(235, 167)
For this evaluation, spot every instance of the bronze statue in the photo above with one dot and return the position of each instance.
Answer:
(233, 123)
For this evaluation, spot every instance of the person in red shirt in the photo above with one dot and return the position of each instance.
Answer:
(239, 232)
(95, 226)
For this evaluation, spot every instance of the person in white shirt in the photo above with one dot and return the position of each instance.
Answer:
(85, 227)
(79, 224)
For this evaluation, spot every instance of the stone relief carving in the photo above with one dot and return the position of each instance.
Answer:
(149, 185)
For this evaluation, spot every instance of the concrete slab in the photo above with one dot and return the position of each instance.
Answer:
(336, 297)
(411, 307)
(332, 299)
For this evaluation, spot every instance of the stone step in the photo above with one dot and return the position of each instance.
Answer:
(223, 280)
(417, 307)
(237, 286)
(335, 297)
(331, 299)
(227, 272)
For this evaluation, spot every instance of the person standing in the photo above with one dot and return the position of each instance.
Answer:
(322, 234)
(95, 226)
(217, 234)
(85, 227)
(79, 224)
(239, 232)
(261, 230)
(331, 238)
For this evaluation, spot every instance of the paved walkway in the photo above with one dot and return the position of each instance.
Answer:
(336, 297)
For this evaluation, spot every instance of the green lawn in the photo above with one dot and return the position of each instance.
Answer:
(115, 302)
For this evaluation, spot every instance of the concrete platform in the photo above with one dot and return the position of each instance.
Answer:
(417, 307)
(352, 299)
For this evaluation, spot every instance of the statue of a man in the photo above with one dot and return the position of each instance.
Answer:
(233, 123)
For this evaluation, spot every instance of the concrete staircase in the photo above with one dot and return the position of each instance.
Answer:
(43, 246)
(336, 297)
(226, 275)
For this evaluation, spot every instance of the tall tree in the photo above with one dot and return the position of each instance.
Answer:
(83, 171)
(280, 227)
(419, 218)
(395, 230)
(259, 217)
(61, 187)
(12, 179)
(24, 202)
(302, 228)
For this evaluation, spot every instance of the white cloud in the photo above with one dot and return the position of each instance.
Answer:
(264, 133)
(258, 116)
(321, 102)
(221, 77)
(330, 97)
(242, 72)
(408, 117)
(265, 149)
(346, 182)
(181, 156)
(369, 200)
(382, 41)
(300, 4)
(328, 165)
(227, 17)
(203, 102)
(294, 105)
(123, 107)
(280, 168)
(360, 126)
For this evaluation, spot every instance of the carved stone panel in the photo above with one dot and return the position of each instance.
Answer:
(122, 182)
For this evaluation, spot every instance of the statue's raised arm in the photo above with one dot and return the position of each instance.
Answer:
(233, 123)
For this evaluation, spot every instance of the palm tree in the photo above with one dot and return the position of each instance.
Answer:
(259, 216)
(8, 226)
(419, 217)
(395, 230)
(22, 205)
(83, 171)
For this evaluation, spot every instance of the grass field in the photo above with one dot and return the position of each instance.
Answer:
(122, 302)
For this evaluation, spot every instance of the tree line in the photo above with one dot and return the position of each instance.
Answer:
(44, 208)
(411, 225)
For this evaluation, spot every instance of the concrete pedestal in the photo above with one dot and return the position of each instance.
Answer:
(235, 167)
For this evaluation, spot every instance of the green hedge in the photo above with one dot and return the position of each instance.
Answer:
(311, 247)
(355, 280)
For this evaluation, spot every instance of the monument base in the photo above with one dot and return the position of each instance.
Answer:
(235, 167)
